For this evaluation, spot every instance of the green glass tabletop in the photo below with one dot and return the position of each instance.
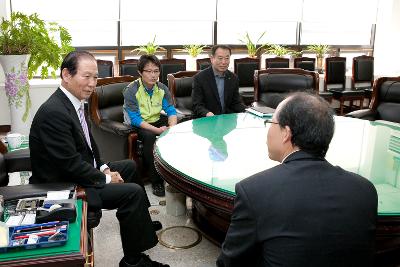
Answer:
(72, 245)
(221, 150)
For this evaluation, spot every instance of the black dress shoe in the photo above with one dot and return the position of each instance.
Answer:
(157, 225)
(158, 189)
(145, 261)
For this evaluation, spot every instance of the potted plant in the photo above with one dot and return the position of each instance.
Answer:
(148, 49)
(320, 50)
(280, 51)
(193, 50)
(252, 49)
(26, 44)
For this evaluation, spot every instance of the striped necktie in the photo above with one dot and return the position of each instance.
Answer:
(85, 129)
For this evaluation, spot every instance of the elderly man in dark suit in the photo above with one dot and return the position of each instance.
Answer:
(303, 212)
(63, 149)
(216, 89)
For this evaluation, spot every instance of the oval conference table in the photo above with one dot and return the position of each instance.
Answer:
(204, 158)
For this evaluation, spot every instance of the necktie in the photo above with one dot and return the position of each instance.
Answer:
(85, 129)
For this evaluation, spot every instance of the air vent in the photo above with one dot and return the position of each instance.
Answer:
(394, 144)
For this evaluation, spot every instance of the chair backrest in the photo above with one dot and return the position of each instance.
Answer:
(272, 85)
(244, 68)
(362, 70)
(105, 68)
(386, 98)
(203, 63)
(335, 71)
(107, 101)
(276, 62)
(171, 65)
(128, 67)
(180, 85)
(305, 63)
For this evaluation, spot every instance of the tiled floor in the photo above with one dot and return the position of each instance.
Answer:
(108, 251)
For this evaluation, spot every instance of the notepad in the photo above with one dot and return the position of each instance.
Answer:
(261, 111)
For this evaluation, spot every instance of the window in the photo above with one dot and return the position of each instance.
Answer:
(90, 22)
(174, 22)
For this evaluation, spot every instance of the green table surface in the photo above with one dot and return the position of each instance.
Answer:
(72, 245)
(220, 151)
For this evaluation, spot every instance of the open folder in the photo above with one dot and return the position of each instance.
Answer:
(261, 111)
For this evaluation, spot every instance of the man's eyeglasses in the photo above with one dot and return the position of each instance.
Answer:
(270, 121)
(152, 71)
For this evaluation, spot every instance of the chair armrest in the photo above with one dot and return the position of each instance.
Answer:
(184, 112)
(258, 104)
(18, 160)
(365, 114)
(116, 127)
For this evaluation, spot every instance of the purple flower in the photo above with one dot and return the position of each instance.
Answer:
(23, 78)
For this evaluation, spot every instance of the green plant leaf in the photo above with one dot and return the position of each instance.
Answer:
(319, 49)
(252, 49)
(193, 49)
(47, 43)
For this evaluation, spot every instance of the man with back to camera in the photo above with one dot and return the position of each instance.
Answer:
(63, 150)
(216, 89)
(305, 211)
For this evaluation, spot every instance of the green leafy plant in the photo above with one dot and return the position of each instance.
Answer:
(319, 49)
(280, 50)
(194, 50)
(252, 48)
(47, 43)
(149, 49)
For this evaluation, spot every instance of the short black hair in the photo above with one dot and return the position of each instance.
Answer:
(144, 59)
(310, 119)
(225, 47)
(71, 61)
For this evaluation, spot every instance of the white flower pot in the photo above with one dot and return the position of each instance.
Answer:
(17, 90)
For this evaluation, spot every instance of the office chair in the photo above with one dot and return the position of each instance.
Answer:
(305, 63)
(385, 101)
(276, 62)
(105, 68)
(335, 74)
(272, 85)
(180, 85)
(244, 68)
(128, 67)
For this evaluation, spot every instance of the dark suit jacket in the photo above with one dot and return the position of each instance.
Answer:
(303, 212)
(59, 151)
(205, 96)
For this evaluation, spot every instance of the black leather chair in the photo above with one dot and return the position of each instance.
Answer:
(203, 63)
(362, 77)
(180, 84)
(385, 102)
(116, 140)
(105, 68)
(305, 63)
(335, 74)
(276, 62)
(171, 65)
(244, 68)
(128, 67)
(271, 86)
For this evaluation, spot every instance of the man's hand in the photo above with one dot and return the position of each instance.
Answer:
(116, 177)
(209, 114)
(162, 129)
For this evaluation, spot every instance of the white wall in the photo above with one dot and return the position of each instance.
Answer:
(387, 39)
